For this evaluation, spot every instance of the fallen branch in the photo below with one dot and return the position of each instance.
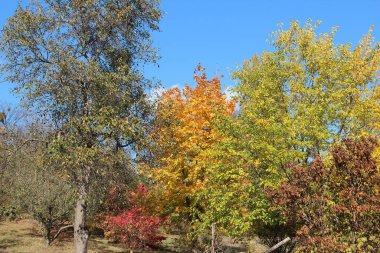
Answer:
(287, 239)
(61, 229)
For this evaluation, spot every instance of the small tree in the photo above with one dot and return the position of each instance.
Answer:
(40, 192)
(335, 204)
(31, 183)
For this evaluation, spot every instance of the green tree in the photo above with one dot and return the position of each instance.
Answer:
(36, 187)
(295, 101)
(11, 135)
(78, 63)
(30, 184)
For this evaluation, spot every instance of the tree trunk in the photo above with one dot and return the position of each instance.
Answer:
(213, 238)
(80, 232)
(47, 233)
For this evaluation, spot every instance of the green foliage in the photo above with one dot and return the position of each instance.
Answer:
(78, 63)
(8, 212)
(42, 193)
(294, 103)
(307, 94)
(30, 185)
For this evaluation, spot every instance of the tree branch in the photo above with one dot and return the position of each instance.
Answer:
(287, 239)
(61, 229)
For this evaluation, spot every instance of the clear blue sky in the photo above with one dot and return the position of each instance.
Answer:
(220, 34)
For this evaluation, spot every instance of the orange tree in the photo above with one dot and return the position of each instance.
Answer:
(183, 131)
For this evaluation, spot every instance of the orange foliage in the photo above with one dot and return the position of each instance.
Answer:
(183, 131)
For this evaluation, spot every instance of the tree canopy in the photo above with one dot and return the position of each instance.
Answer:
(78, 63)
(294, 103)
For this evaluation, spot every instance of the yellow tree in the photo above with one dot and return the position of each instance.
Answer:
(183, 131)
(296, 101)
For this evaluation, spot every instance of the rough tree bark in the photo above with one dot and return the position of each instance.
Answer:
(80, 231)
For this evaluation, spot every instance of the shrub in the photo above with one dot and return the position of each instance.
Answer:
(134, 226)
(335, 204)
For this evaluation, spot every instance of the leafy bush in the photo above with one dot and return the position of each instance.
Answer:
(134, 227)
(335, 204)
(8, 213)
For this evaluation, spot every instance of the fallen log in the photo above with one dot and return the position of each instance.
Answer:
(287, 239)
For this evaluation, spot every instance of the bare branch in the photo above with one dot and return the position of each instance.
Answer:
(286, 240)
(61, 229)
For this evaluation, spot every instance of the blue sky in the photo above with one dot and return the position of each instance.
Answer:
(220, 34)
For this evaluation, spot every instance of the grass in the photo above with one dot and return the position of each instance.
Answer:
(23, 236)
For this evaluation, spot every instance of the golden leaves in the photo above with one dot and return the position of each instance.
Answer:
(183, 131)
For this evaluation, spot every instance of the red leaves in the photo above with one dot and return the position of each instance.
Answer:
(134, 227)
(334, 206)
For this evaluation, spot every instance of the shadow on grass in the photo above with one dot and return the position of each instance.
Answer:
(7, 243)
(233, 249)
(108, 247)
(31, 232)
(103, 247)
(160, 248)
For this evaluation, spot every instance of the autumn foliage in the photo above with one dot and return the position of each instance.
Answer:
(335, 203)
(294, 153)
(183, 130)
(134, 226)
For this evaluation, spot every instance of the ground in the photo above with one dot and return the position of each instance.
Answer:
(23, 236)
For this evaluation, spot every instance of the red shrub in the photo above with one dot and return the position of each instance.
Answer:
(134, 227)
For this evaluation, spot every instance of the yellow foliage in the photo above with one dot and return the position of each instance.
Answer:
(183, 130)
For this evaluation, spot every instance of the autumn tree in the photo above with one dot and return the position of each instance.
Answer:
(295, 101)
(335, 203)
(78, 63)
(307, 94)
(183, 130)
